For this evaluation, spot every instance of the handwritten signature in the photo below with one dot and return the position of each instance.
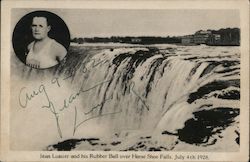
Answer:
(92, 117)
(26, 96)
(35, 93)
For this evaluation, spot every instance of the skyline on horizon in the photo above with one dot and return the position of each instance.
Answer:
(132, 22)
(154, 35)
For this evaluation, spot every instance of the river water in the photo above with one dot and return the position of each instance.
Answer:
(124, 97)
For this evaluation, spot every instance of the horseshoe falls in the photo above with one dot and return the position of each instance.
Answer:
(141, 98)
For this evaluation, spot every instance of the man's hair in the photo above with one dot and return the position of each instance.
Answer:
(42, 14)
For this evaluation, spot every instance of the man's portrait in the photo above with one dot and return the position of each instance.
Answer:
(40, 39)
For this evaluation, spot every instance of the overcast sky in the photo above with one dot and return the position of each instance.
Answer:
(91, 22)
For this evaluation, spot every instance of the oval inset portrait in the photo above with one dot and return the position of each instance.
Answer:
(41, 39)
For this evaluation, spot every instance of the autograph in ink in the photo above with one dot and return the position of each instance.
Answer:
(93, 117)
(35, 93)
(26, 96)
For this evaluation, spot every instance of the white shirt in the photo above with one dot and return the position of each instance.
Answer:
(43, 58)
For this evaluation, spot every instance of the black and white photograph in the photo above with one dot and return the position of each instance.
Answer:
(126, 80)
(33, 39)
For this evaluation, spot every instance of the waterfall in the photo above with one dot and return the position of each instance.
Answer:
(149, 92)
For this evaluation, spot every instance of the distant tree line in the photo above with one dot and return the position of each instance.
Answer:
(228, 36)
(128, 39)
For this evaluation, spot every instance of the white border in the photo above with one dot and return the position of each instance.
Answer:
(7, 155)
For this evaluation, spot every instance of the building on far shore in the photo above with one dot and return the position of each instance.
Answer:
(225, 37)
(221, 37)
(187, 40)
(214, 39)
(201, 36)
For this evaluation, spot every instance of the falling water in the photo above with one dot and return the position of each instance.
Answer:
(163, 97)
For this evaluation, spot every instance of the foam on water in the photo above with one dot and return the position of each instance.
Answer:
(156, 94)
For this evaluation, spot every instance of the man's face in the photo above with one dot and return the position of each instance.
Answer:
(40, 28)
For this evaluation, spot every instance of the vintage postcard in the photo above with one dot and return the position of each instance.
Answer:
(125, 81)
